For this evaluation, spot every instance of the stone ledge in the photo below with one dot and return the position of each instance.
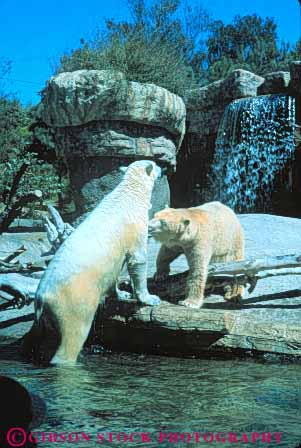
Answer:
(276, 82)
(82, 96)
(206, 105)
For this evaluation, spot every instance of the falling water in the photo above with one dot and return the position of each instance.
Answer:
(255, 143)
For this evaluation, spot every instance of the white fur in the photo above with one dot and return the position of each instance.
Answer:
(88, 263)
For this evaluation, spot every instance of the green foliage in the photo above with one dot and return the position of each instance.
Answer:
(162, 44)
(14, 132)
(15, 145)
(249, 42)
(295, 53)
(5, 68)
(171, 44)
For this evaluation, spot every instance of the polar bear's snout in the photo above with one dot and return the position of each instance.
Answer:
(154, 227)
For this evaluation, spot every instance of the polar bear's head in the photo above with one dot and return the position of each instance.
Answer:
(144, 169)
(170, 226)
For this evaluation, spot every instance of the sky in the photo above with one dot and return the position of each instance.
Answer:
(34, 33)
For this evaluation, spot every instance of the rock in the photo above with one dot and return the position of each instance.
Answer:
(276, 82)
(269, 319)
(92, 181)
(241, 84)
(102, 121)
(295, 71)
(36, 244)
(206, 105)
(26, 224)
(79, 97)
(115, 139)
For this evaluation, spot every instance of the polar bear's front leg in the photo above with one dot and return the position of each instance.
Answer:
(165, 257)
(196, 282)
(137, 267)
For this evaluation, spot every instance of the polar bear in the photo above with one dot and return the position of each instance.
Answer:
(208, 233)
(88, 263)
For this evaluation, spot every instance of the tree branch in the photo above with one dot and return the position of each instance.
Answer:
(13, 210)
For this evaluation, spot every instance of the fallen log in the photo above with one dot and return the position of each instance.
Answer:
(21, 268)
(16, 291)
(221, 276)
(253, 265)
(19, 284)
(57, 231)
(224, 275)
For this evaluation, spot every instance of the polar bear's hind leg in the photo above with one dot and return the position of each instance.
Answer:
(74, 329)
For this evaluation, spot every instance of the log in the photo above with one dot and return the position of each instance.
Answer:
(19, 284)
(254, 265)
(16, 182)
(14, 254)
(21, 268)
(57, 231)
(220, 277)
(223, 275)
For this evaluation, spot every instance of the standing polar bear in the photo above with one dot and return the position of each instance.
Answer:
(208, 233)
(88, 264)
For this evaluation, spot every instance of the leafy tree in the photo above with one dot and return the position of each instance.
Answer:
(16, 156)
(295, 52)
(162, 44)
(5, 68)
(249, 42)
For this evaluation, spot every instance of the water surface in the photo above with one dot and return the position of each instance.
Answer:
(114, 393)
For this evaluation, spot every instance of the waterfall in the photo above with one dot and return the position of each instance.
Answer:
(255, 143)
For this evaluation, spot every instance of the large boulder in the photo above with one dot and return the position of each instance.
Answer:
(82, 96)
(103, 121)
(275, 82)
(295, 72)
(206, 105)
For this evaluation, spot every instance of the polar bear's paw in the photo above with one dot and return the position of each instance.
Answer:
(124, 296)
(150, 299)
(190, 303)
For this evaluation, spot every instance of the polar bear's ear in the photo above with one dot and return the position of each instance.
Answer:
(149, 169)
(123, 169)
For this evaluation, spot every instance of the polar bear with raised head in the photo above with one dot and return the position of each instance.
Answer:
(87, 265)
(208, 233)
